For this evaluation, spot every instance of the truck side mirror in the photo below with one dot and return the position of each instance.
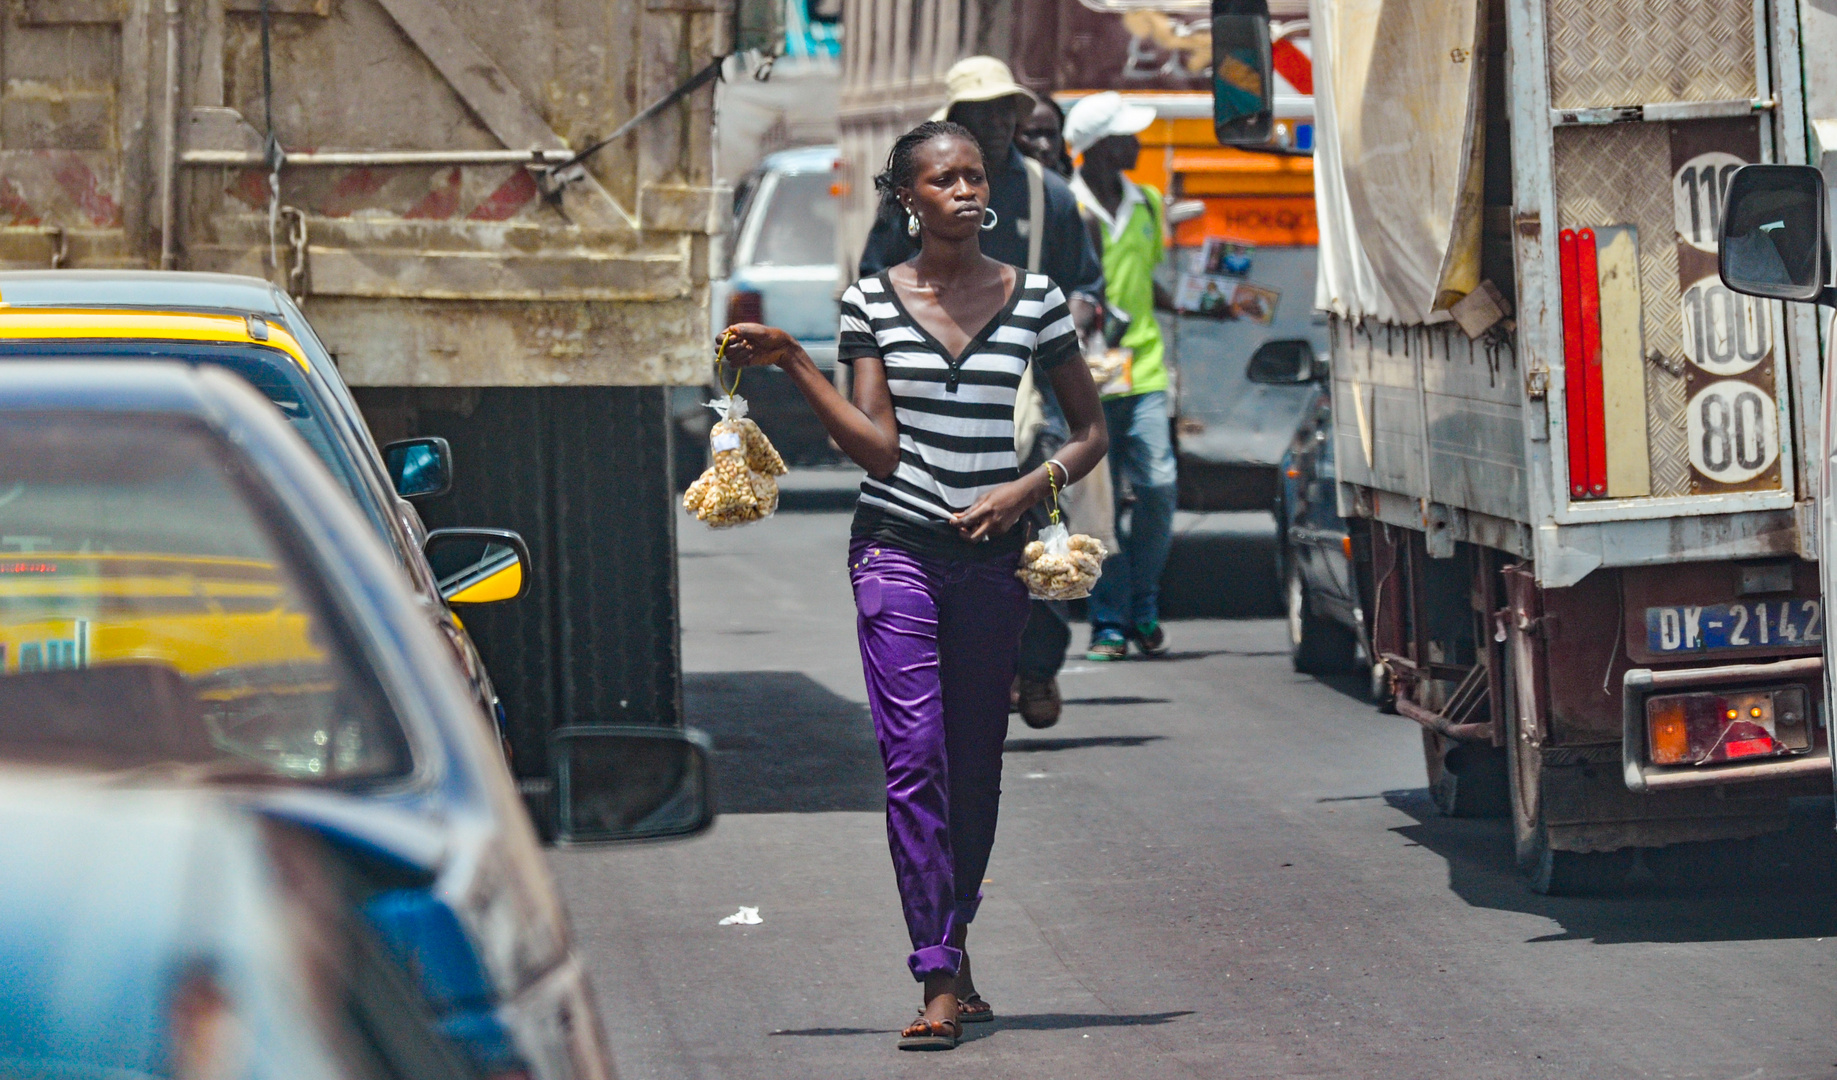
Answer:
(1284, 362)
(478, 566)
(1243, 88)
(1774, 240)
(630, 783)
(420, 468)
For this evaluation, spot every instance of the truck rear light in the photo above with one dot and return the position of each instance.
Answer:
(1670, 733)
(745, 306)
(1706, 728)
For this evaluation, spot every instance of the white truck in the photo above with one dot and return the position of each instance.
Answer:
(1580, 469)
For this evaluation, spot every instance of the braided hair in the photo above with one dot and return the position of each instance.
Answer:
(901, 168)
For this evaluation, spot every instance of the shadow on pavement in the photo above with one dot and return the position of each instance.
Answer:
(1786, 896)
(1043, 746)
(785, 744)
(1068, 1021)
(1122, 699)
(1222, 575)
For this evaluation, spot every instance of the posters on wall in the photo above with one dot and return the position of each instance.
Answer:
(1213, 283)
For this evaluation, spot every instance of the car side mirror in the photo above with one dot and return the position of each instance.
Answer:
(478, 566)
(1774, 240)
(1284, 362)
(420, 468)
(630, 783)
(1243, 90)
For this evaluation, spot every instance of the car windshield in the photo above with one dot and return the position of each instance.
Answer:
(276, 374)
(800, 222)
(150, 621)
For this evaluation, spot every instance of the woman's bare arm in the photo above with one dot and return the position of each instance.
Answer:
(864, 428)
(996, 512)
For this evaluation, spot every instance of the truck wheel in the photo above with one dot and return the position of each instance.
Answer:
(1466, 780)
(1318, 646)
(1575, 873)
(1548, 872)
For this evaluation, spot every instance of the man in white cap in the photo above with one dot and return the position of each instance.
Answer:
(1124, 605)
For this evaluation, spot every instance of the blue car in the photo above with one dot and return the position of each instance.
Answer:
(188, 600)
(1317, 557)
(168, 934)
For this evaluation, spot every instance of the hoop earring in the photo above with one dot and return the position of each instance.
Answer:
(989, 218)
(912, 226)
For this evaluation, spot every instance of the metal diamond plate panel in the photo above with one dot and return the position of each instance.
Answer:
(1629, 52)
(1621, 175)
(1666, 432)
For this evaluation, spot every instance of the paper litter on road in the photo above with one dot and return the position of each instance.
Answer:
(746, 916)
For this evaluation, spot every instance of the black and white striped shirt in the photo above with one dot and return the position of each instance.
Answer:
(955, 414)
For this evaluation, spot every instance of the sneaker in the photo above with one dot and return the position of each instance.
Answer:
(1040, 704)
(1151, 639)
(1108, 645)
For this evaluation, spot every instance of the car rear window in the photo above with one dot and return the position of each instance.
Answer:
(799, 228)
(276, 374)
(154, 622)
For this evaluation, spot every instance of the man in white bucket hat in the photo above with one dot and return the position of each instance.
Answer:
(981, 94)
(1124, 606)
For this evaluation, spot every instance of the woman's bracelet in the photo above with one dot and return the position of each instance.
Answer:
(1063, 471)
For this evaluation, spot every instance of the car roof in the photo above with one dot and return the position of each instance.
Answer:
(801, 160)
(170, 289)
(64, 324)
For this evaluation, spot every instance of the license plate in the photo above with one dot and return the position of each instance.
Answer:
(1779, 624)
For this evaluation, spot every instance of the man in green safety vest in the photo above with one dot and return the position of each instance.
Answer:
(1124, 606)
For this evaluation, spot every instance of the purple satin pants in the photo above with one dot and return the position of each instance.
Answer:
(938, 643)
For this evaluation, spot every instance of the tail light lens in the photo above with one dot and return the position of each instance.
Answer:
(1670, 732)
(1707, 728)
(745, 307)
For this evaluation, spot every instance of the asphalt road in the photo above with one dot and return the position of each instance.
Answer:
(1212, 867)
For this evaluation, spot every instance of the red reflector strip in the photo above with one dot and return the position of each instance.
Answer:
(1588, 278)
(1575, 379)
(1748, 747)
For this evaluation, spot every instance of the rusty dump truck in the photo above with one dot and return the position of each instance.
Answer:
(403, 167)
(1579, 470)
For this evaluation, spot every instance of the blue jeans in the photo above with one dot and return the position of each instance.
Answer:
(1141, 452)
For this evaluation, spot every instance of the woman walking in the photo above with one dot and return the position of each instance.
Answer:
(938, 345)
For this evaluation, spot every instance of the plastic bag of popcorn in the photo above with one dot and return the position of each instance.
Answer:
(1060, 566)
(739, 485)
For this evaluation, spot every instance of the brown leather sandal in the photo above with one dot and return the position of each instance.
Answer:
(974, 1010)
(923, 1034)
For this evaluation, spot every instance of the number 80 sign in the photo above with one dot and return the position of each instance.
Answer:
(1734, 431)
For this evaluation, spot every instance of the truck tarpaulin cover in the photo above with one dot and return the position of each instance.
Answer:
(1400, 139)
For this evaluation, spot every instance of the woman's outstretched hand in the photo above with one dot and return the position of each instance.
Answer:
(754, 345)
(997, 511)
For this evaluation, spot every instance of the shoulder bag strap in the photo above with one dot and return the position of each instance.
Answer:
(1036, 213)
